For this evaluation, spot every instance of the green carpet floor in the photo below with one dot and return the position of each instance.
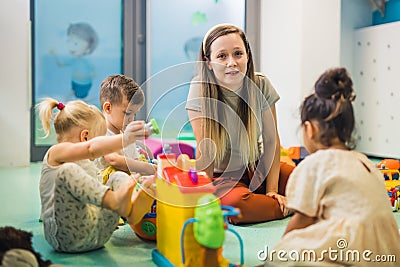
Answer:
(19, 192)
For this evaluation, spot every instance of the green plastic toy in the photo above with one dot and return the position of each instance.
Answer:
(209, 227)
(152, 127)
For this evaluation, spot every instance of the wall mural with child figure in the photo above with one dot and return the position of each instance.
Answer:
(75, 45)
(82, 40)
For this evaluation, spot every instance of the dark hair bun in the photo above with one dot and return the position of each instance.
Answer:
(335, 84)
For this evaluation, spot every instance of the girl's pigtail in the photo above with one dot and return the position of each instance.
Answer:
(45, 109)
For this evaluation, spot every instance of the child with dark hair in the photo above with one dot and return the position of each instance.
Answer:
(337, 193)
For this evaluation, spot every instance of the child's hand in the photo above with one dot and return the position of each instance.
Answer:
(147, 180)
(146, 183)
(133, 131)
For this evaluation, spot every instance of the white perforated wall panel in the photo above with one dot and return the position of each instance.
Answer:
(376, 77)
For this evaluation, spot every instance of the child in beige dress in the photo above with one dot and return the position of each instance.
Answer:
(343, 216)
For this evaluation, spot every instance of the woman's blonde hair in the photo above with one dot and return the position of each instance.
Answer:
(211, 95)
(73, 114)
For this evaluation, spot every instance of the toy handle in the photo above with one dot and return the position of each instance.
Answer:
(230, 211)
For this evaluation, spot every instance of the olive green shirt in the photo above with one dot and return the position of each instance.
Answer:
(266, 97)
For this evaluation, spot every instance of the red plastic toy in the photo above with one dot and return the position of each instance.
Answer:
(393, 194)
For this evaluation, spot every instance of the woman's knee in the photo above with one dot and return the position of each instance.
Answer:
(255, 208)
(285, 171)
(235, 196)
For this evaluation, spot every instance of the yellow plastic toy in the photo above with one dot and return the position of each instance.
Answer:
(293, 155)
(186, 208)
(390, 168)
(285, 157)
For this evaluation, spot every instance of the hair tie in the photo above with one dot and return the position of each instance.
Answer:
(60, 106)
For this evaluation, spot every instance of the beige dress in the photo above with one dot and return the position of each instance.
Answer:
(356, 227)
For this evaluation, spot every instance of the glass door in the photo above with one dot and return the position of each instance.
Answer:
(75, 45)
(175, 31)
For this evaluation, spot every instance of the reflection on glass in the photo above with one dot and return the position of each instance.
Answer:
(174, 41)
(82, 40)
(76, 45)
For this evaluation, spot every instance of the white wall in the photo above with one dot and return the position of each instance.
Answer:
(299, 40)
(14, 83)
(280, 53)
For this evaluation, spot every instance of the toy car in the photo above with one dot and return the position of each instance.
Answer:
(392, 178)
(392, 164)
(390, 169)
(393, 194)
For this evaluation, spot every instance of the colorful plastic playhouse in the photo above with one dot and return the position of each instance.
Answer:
(147, 227)
(190, 219)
